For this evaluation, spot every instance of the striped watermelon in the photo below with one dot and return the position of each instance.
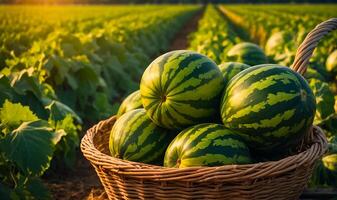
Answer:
(131, 102)
(135, 137)
(181, 88)
(248, 53)
(230, 69)
(270, 104)
(206, 145)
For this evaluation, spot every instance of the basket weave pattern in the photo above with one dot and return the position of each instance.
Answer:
(282, 179)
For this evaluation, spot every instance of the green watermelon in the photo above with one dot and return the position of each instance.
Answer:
(331, 62)
(271, 105)
(135, 137)
(230, 69)
(206, 145)
(279, 48)
(181, 88)
(248, 53)
(131, 102)
(278, 42)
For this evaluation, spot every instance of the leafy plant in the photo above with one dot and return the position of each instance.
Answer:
(27, 144)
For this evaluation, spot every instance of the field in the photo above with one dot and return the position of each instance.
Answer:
(64, 68)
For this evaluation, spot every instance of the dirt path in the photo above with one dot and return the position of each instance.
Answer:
(83, 182)
(181, 39)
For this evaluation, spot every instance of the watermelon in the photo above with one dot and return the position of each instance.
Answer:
(271, 105)
(279, 48)
(135, 137)
(230, 69)
(331, 63)
(278, 42)
(131, 102)
(206, 145)
(248, 53)
(181, 88)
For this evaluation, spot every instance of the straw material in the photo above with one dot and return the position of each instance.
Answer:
(283, 179)
(305, 50)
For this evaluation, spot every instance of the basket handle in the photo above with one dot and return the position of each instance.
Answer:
(305, 50)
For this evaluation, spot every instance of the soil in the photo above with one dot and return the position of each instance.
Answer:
(82, 182)
(181, 39)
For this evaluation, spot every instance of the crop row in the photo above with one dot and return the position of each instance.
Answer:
(214, 35)
(278, 31)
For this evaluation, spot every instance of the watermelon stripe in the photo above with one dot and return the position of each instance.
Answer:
(127, 122)
(177, 76)
(135, 126)
(174, 119)
(258, 107)
(157, 153)
(170, 72)
(194, 84)
(181, 117)
(230, 152)
(212, 160)
(144, 130)
(263, 84)
(206, 145)
(189, 73)
(248, 74)
(199, 104)
(218, 141)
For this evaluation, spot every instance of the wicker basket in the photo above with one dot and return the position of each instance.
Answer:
(283, 179)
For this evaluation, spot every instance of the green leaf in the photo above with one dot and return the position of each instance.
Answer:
(324, 100)
(66, 149)
(58, 111)
(6, 91)
(5, 191)
(30, 146)
(72, 81)
(13, 114)
(23, 82)
(58, 135)
(37, 189)
(102, 105)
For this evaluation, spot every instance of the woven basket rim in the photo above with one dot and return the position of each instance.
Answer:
(243, 172)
